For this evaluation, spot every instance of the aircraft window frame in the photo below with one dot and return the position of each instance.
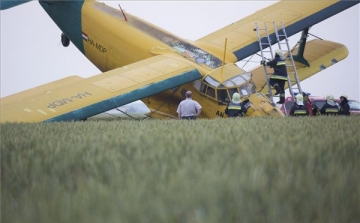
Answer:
(248, 88)
(221, 86)
(203, 87)
(246, 76)
(238, 78)
(197, 85)
(212, 90)
(235, 81)
(211, 81)
(231, 91)
(223, 97)
(229, 83)
(252, 87)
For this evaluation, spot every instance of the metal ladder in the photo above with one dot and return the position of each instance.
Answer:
(293, 79)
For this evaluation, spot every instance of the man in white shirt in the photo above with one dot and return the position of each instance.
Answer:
(188, 108)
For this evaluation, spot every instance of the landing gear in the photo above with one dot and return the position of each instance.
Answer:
(64, 40)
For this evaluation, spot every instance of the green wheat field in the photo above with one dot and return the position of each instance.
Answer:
(276, 170)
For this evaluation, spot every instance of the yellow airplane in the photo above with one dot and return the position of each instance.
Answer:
(141, 61)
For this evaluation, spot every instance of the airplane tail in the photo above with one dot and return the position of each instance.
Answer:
(6, 4)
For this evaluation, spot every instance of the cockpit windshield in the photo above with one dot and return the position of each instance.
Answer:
(211, 81)
(247, 89)
(237, 80)
(223, 91)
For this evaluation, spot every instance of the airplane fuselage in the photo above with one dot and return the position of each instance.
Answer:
(111, 39)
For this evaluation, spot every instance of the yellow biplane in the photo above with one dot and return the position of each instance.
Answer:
(141, 61)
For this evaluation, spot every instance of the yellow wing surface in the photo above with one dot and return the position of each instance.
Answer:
(100, 93)
(319, 53)
(39, 89)
(296, 16)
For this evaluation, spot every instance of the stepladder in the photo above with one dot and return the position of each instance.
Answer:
(269, 38)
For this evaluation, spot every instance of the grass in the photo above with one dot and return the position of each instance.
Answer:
(222, 170)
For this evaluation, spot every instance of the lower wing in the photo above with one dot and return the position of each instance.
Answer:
(78, 99)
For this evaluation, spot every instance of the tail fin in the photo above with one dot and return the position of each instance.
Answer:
(6, 4)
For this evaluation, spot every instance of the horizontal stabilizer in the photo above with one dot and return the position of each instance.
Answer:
(6, 4)
(320, 54)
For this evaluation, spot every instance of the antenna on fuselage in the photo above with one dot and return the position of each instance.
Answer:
(122, 12)
(223, 61)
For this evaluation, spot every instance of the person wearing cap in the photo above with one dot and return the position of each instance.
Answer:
(298, 109)
(329, 108)
(188, 109)
(235, 108)
(344, 105)
(280, 76)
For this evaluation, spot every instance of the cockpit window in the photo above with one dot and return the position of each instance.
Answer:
(203, 88)
(223, 91)
(247, 89)
(222, 95)
(210, 91)
(232, 91)
(229, 83)
(211, 81)
(237, 80)
(246, 76)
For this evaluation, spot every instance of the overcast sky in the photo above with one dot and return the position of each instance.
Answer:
(32, 54)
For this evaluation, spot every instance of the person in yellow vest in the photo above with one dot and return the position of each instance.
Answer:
(235, 108)
(298, 109)
(330, 107)
(280, 75)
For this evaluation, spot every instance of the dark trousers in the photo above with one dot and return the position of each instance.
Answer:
(189, 117)
(279, 86)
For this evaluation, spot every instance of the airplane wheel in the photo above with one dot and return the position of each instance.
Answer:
(64, 40)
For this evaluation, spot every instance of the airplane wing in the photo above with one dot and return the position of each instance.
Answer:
(296, 16)
(319, 53)
(40, 89)
(94, 95)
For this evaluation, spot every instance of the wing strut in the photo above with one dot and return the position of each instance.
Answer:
(223, 62)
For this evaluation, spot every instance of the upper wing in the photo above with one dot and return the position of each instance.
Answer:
(100, 93)
(319, 53)
(296, 16)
